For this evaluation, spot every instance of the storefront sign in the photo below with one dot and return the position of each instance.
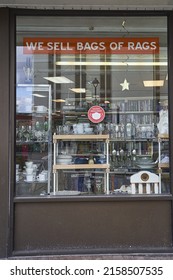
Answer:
(96, 114)
(90, 45)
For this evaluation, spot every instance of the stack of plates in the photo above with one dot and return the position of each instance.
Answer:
(64, 159)
(147, 165)
(145, 162)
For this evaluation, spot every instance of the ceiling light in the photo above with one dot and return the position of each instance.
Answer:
(58, 100)
(111, 63)
(78, 90)
(59, 80)
(156, 83)
(38, 95)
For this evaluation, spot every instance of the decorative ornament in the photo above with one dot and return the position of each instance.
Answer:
(125, 85)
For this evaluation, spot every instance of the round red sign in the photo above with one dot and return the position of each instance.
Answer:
(96, 114)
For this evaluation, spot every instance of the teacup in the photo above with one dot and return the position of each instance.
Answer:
(29, 164)
(41, 177)
(30, 177)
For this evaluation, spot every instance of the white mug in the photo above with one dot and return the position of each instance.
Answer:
(41, 177)
(30, 177)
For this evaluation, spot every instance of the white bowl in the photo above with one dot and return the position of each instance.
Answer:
(63, 161)
(88, 129)
(149, 165)
(144, 159)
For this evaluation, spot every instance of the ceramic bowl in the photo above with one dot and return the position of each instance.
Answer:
(144, 159)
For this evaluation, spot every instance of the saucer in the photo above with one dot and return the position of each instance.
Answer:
(29, 181)
(42, 181)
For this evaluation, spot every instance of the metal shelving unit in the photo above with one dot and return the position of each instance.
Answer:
(80, 137)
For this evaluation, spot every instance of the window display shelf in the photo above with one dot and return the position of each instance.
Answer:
(86, 167)
(33, 134)
(163, 165)
(80, 166)
(69, 137)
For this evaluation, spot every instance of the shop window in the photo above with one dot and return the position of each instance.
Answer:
(91, 105)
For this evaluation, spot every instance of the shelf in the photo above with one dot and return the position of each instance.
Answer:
(163, 136)
(114, 139)
(87, 137)
(163, 165)
(80, 166)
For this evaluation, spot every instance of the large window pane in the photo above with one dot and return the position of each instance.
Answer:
(65, 67)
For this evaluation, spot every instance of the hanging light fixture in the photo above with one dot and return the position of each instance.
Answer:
(95, 83)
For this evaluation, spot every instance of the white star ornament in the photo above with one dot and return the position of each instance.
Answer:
(125, 85)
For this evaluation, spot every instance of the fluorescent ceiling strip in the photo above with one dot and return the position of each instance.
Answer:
(38, 95)
(78, 90)
(59, 80)
(58, 100)
(110, 63)
(157, 83)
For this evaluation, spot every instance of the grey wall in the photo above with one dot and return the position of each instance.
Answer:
(98, 4)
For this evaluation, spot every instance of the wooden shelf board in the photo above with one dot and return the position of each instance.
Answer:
(80, 166)
(81, 137)
(163, 165)
(163, 136)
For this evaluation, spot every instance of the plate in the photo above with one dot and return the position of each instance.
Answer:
(66, 193)
(147, 166)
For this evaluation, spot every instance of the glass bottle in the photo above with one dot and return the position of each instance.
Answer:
(129, 130)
